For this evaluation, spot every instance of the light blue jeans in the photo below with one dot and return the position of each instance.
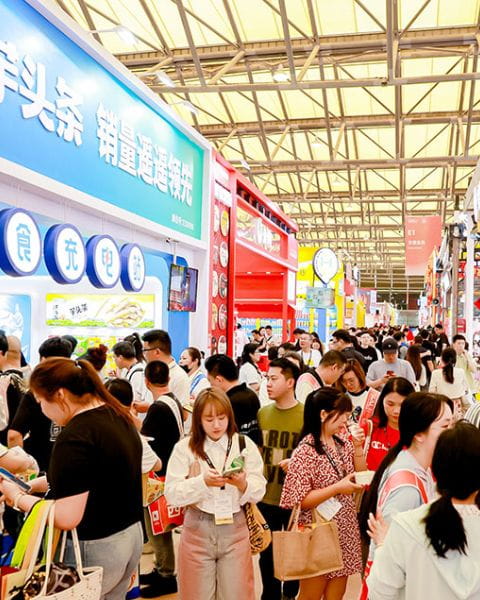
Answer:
(119, 555)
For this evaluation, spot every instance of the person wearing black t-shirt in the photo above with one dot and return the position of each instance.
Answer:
(30, 428)
(222, 373)
(163, 426)
(97, 456)
(366, 350)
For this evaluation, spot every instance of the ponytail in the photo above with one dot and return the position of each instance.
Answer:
(449, 358)
(79, 378)
(419, 410)
(444, 527)
(137, 344)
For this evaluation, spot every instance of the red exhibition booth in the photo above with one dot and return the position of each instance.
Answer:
(254, 258)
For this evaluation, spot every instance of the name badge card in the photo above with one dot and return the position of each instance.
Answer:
(223, 508)
(329, 508)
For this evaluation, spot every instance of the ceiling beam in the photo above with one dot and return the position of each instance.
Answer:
(251, 128)
(331, 46)
(338, 165)
(377, 196)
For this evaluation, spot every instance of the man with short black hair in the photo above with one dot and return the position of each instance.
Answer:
(280, 423)
(311, 357)
(328, 372)
(342, 342)
(390, 366)
(222, 373)
(442, 339)
(30, 428)
(297, 332)
(465, 361)
(163, 426)
(157, 345)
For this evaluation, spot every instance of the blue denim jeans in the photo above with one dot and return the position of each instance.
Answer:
(119, 555)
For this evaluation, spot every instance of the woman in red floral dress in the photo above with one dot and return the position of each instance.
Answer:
(322, 469)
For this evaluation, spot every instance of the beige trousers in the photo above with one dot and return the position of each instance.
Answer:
(214, 561)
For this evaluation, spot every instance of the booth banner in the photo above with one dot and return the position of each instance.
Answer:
(422, 236)
(101, 310)
(254, 230)
(319, 297)
(56, 100)
(220, 266)
(16, 318)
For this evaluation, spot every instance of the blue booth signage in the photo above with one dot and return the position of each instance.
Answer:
(20, 243)
(65, 254)
(88, 130)
(103, 261)
(133, 267)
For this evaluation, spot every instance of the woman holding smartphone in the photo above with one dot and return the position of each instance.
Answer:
(214, 558)
(321, 472)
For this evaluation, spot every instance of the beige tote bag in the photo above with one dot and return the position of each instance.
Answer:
(309, 552)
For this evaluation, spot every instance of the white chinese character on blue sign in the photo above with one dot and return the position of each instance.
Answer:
(8, 68)
(70, 126)
(34, 77)
(107, 133)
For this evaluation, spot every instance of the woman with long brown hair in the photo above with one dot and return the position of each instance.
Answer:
(214, 559)
(97, 445)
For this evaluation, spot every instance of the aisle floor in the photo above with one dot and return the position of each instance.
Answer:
(147, 562)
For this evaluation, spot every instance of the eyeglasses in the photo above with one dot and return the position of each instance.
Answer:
(149, 349)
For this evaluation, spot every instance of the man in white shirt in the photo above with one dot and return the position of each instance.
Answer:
(311, 357)
(157, 345)
(465, 361)
(389, 366)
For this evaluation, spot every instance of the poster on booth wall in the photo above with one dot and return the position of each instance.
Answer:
(101, 310)
(16, 317)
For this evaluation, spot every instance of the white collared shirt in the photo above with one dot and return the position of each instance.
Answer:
(183, 491)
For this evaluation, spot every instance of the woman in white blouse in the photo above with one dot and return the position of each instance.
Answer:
(249, 372)
(450, 381)
(214, 559)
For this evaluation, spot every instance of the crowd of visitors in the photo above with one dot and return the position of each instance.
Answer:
(376, 432)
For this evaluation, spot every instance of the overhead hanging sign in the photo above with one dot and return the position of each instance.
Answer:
(65, 116)
(422, 236)
(325, 264)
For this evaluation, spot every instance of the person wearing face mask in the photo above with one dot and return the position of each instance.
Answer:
(214, 558)
(190, 361)
(322, 468)
(404, 480)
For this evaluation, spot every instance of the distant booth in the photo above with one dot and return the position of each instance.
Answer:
(255, 252)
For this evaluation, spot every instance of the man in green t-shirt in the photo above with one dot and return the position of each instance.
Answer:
(280, 423)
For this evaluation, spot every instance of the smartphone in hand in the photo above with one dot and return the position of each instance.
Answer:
(11, 477)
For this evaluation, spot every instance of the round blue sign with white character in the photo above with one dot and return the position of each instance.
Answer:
(133, 267)
(20, 243)
(65, 254)
(103, 261)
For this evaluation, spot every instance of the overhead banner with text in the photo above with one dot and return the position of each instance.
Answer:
(422, 235)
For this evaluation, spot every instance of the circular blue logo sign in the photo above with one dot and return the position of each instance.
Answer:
(103, 261)
(65, 254)
(133, 267)
(20, 243)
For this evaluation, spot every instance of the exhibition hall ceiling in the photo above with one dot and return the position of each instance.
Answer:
(350, 115)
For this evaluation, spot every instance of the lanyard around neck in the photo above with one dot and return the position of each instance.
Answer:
(209, 461)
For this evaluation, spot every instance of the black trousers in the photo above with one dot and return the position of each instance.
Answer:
(277, 519)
